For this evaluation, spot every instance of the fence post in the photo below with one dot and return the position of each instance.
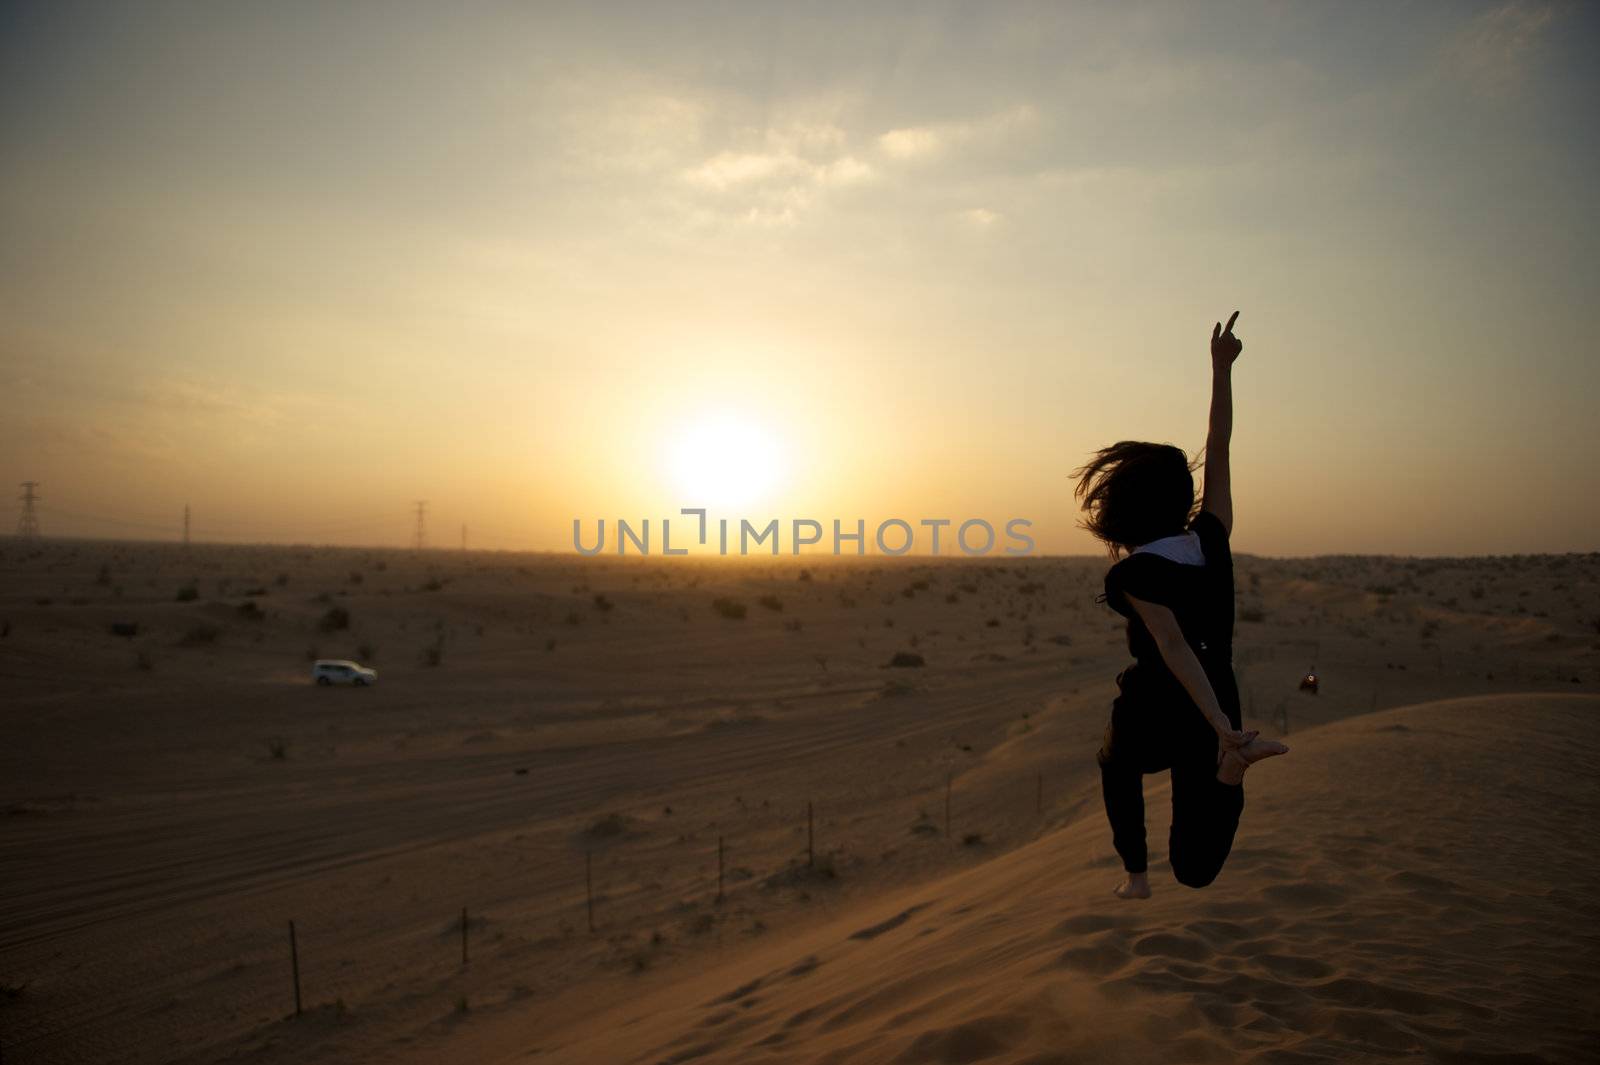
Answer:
(811, 854)
(947, 777)
(588, 886)
(294, 967)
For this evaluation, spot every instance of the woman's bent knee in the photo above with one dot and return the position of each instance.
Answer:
(1195, 874)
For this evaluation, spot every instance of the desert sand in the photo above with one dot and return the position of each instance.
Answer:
(1415, 881)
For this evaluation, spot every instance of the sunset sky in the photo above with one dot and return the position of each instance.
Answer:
(298, 265)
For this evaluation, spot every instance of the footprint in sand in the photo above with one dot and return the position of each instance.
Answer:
(1167, 945)
(1306, 895)
(1087, 924)
(1103, 955)
(975, 1040)
(876, 930)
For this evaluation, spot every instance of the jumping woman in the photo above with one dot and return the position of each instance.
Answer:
(1178, 704)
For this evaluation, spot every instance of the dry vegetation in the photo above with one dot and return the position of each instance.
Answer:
(173, 789)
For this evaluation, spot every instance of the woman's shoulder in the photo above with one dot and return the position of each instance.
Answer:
(1144, 576)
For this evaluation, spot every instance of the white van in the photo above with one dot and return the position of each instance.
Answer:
(326, 671)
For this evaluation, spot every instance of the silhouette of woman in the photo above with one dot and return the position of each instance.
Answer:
(1178, 704)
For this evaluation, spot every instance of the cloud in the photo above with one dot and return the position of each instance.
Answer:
(1493, 51)
(980, 218)
(911, 143)
(775, 182)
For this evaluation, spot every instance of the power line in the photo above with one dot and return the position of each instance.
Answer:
(28, 521)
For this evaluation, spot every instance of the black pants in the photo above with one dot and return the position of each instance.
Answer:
(1153, 731)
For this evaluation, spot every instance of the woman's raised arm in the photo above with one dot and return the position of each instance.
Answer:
(1218, 495)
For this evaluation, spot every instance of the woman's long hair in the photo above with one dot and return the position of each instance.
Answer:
(1136, 492)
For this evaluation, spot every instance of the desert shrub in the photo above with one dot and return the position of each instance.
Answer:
(805, 575)
(356, 577)
(771, 602)
(366, 652)
(141, 660)
(278, 749)
(201, 635)
(104, 576)
(334, 620)
(188, 594)
(433, 656)
(249, 611)
(906, 660)
(602, 604)
(729, 608)
(1252, 614)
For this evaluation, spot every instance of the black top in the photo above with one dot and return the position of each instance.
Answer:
(1201, 597)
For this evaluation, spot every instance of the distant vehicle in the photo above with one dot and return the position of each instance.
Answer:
(328, 671)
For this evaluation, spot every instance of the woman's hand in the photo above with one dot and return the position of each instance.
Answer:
(1225, 347)
(1231, 739)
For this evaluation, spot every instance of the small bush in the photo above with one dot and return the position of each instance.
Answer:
(771, 602)
(334, 620)
(249, 611)
(188, 594)
(201, 635)
(729, 608)
(1252, 614)
(906, 660)
(602, 604)
(278, 749)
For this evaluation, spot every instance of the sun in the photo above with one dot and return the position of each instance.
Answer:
(723, 461)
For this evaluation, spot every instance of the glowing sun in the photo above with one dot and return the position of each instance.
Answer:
(725, 461)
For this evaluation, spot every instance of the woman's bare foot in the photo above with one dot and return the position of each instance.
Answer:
(1233, 761)
(1137, 886)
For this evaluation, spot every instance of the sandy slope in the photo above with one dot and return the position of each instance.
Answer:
(1417, 882)
(153, 848)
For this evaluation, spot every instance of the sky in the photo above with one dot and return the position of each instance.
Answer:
(297, 266)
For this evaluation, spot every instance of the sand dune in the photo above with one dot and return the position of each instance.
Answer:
(170, 800)
(1416, 883)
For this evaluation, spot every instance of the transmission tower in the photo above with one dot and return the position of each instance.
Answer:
(28, 521)
(420, 537)
(186, 525)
